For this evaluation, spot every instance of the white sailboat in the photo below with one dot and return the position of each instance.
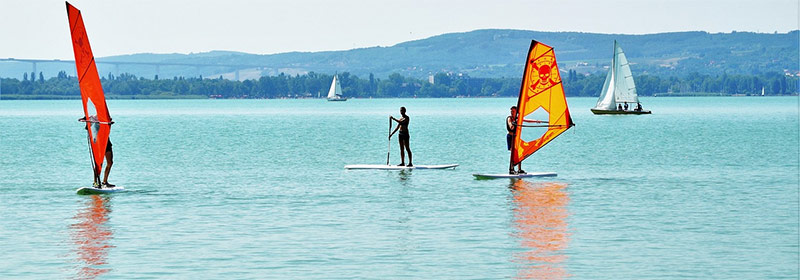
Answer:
(619, 89)
(335, 93)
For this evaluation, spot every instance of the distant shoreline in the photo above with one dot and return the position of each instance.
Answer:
(109, 97)
(148, 97)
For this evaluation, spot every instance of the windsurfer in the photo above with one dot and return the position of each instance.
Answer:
(511, 126)
(402, 126)
(109, 151)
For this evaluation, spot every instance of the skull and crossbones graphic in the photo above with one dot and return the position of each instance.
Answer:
(85, 54)
(546, 74)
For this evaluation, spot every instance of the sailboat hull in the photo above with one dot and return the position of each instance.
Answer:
(618, 112)
(337, 99)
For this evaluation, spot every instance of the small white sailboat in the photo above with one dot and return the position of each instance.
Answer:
(619, 89)
(335, 93)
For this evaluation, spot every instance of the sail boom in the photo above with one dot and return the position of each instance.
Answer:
(557, 125)
(90, 121)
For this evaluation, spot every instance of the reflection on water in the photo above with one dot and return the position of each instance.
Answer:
(404, 176)
(91, 236)
(540, 220)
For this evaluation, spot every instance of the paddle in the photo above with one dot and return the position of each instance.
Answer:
(389, 142)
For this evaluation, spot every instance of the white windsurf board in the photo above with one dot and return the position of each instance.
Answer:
(394, 167)
(514, 176)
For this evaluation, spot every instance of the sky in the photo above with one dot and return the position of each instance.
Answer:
(38, 29)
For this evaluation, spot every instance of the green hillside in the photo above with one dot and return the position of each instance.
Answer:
(490, 53)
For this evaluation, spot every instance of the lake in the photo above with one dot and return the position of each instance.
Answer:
(705, 187)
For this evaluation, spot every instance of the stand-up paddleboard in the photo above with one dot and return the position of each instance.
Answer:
(513, 176)
(93, 190)
(95, 111)
(394, 167)
(541, 94)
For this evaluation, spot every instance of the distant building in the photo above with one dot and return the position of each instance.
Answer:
(431, 79)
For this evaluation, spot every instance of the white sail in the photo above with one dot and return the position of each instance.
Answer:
(336, 90)
(606, 100)
(625, 89)
(619, 86)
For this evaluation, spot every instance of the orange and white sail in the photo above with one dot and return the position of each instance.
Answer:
(98, 121)
(541, 90)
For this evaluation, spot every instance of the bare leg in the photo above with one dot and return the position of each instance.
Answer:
(408, 149)
(402, 151)
(109, 163)
(511, 167)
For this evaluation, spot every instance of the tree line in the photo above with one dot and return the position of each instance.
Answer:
(314, 85)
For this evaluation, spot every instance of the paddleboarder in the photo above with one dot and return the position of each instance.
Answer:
(402, 126)
(511, 126)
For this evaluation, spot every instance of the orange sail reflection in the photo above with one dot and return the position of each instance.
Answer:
(540, 218)
(91, 235)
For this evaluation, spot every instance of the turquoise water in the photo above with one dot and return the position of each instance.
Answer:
(703, 188)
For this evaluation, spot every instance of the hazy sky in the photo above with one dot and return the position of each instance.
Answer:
(39, 29)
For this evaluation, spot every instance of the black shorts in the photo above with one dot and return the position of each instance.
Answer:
(403, 136)
(108, 146)
(509, 141)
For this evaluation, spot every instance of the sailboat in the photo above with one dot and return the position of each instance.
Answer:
(96, 116)
(541, 94)
(619, 89)
(335, 93)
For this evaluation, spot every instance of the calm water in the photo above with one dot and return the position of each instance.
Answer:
(703, 188)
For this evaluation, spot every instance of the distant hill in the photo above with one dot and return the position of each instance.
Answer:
(486, 53)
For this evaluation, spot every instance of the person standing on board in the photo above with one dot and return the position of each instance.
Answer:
(402, 125)
(511, 126)
(109, 151)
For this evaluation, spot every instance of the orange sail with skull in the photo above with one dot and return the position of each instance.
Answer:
(540, 95)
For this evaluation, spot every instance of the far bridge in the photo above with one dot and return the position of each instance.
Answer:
(156, 65)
